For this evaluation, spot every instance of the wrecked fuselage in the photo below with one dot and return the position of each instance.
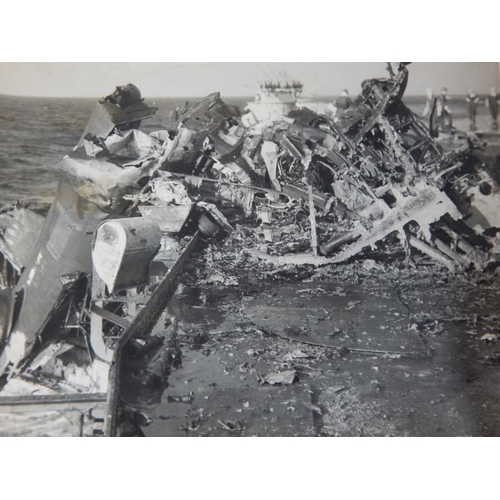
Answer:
(65, 304)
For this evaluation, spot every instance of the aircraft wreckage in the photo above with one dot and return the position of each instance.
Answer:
(83, 288)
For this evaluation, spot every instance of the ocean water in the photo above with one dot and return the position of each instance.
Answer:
(36, 133)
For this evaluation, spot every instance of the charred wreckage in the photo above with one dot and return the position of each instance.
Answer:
(287, 186)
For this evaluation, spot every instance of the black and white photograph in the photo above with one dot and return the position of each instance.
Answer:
(238, 222)
(224, 249)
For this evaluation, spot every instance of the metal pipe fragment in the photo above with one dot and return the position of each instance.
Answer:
(312, 220)
(443, 247)
(431, 252)
(337, 241)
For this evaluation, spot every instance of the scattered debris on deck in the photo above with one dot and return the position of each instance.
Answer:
(280, 188)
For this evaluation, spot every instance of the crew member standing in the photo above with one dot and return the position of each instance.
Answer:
(343, 103)
(472, 99)
(492, 104)
(429, 103)
(443, 111)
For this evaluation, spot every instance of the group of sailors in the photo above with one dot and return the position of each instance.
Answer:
(437, 108)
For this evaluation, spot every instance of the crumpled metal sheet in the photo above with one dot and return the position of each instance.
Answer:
(20, 227)
(103, 183)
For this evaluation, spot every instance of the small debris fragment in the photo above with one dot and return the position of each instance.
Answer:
(490, 337)
(181, 399)
(231, 425)
(352, 304)
(313, 407)
(369, 264)
(297, 354)
(284, 378)
(338, 389)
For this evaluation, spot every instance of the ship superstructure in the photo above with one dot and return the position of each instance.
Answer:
(274, 100)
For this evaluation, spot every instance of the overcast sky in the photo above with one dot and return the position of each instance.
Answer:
(84, 79)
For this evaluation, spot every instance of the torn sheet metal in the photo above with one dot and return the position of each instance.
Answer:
(123, 109)
(170, 218)
(19, 228)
